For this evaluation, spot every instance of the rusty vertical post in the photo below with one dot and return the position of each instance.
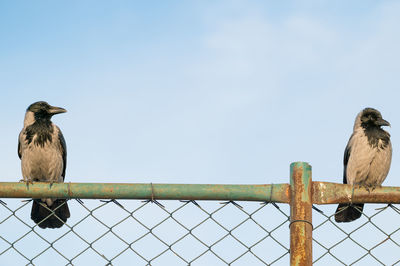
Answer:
(300, 214)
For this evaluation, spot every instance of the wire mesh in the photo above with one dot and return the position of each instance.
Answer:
(134, 232)
(373, 239)
(173, 232)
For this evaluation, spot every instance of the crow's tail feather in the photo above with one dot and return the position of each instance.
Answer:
(59, 212)
(348, 212)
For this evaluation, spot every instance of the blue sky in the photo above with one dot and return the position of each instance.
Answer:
(226, 92)
(199, 91)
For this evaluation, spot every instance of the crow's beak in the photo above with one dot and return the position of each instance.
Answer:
(382, 122)
(56, 110)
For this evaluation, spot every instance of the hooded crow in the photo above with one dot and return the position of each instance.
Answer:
(367, 159)
(43, 155)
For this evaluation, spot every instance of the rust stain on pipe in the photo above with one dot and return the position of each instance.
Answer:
(334, 193)
(300, 214)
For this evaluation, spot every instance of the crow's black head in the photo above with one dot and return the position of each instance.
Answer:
(371, 121)
(37, 122)
(371, 117)
(43, 110)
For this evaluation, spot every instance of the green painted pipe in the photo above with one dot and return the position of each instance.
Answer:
(280, 192)
(323, 192)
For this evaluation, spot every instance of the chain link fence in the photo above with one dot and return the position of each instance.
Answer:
(240, 231)
(374, 239)
(134, 232)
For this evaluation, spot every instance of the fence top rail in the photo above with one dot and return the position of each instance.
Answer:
(333, 193)
(323, 192)
(269, 193)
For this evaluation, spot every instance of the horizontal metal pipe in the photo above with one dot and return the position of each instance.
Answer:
(273, 193)
(323, 192)
(332, 193)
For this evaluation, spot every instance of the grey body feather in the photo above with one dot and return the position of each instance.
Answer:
(367, 165)
(367, 159)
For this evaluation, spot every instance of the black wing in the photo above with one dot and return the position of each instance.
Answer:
(63, 148)
(345, 161)
(19, 149)
(19, 144)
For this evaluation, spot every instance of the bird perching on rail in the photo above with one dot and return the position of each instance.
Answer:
(367, 159)
(43, 155)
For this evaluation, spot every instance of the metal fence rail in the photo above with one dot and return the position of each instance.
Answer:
(177, 224)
